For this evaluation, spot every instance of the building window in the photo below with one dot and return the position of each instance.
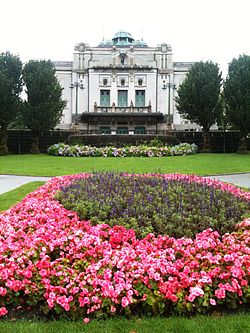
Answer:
(104, 81)
(140, 98)
(105, 130)
(140, 80)
(140, 130)
(122, 81)
(122, 98)
(122, 130)
(104, 98)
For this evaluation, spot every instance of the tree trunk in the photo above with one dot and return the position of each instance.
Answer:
(35, 144)
(3, 141)
(242, 146)
(206, 141)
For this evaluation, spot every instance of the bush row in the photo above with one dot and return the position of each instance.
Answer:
(61, 149)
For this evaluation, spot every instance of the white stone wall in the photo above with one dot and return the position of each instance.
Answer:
(64, 75)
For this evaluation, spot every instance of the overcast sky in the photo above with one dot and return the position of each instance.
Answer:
(216, 30)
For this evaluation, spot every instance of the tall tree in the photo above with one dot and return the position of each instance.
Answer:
(237, 97)
(43, 108)
(199, 97)
(10, 89)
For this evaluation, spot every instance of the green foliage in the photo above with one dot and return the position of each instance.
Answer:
(199, 95)
(237, 96)
(44, 105)
(155, 142)
(152, 204)
(10, 89)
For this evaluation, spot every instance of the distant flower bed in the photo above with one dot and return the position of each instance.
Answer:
(52, 260)
(61, 149)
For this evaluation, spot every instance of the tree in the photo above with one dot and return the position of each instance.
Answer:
(10, 89)
(199, 97)
(237, 97)
(43, 108)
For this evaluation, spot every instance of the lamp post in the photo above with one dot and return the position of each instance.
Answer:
(168, 86)
(77, 85)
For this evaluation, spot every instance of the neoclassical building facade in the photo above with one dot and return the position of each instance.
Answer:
(122, 86)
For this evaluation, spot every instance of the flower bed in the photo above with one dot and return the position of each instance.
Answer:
(61, 149)
(51, 260)
(153, 204)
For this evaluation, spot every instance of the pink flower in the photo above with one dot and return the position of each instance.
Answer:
(220, 293)
(3, 311)
(195, 292)
(157, 277)
(212, 301)
(3, 291)
(86, 320)
(28, 274)
(74, 290)
(83, 301)
(112, 309)
(125, 302)
(43, 272)
(95, 299)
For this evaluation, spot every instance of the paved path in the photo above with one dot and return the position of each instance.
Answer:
(10, 182)
(242, 179)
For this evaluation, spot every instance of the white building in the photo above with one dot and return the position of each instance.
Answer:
(122, 86)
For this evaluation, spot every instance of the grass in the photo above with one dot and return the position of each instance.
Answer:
(199, 324)
(44, 165)
(12, 197)
(201, 164)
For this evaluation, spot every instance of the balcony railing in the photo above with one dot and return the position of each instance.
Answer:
(118, 109)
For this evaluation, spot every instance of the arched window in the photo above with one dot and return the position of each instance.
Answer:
(105, 82)
(140, 82)
(122, 82)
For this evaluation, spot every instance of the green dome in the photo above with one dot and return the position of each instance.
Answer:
(123, 38)
(122, 34)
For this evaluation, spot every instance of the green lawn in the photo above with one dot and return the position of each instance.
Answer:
(198, 324)
(201, 164)
(12, 197)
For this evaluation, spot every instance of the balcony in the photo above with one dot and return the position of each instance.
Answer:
(118, 109)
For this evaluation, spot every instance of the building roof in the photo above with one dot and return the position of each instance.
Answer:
(122, 39)
(122, 34)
